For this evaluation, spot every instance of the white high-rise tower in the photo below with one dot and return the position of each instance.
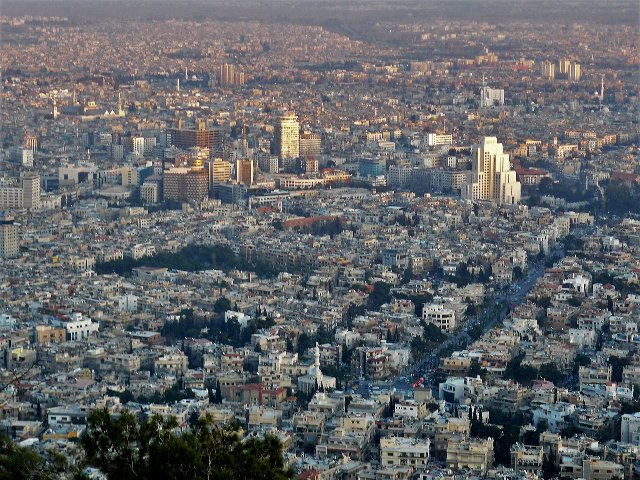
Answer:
(491, 177)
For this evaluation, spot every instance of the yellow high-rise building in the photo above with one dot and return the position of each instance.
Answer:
(288, 136)
(219, 171)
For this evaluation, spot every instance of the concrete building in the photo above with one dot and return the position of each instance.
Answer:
(548, 70)
(9, 243)
(490, 97)
(527, 458)
(185, 138)
(491, 177)
(401, 452)
(437, 139)
(288, 136)
(219, 171)
(244, 172)
(440, 316)
(310, 144)
(630, 428)
(186, 184)
(473, 454)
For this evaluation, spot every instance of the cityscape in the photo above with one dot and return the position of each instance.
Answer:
(318, 240)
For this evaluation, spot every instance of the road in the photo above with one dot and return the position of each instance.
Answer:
(497, 311)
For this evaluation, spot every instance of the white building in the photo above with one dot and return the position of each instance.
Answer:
(491, 177)
(399, 175)
(315, 379)
(436, 139)
(630, 428)
(404, 452)
(490, 97)
(77, 326)
(442, 317)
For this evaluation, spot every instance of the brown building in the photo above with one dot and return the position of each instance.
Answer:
(244, 172)
(185, 138)
(186, 184)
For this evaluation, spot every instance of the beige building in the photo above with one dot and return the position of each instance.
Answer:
(9, 243)
(403, 452)
(288, 136)
(526, 458)
(491, 177)
(473, 454)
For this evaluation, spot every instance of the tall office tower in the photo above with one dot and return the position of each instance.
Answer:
(564, 66)
(30, 142)
(491, 96)
(8, 237)
(244, 172)
(186, 184)
(228, 75)
(219, 171)
(310, 144)
(491, 177)
(288, 136)
(31, 191)
(574, 72)
(548, 70)
(185, 138)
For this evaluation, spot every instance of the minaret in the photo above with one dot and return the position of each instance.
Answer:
(316, 354)
(178, 85)
(186, 73)
(55, 108)
(75, 100)
(601, 89)
(120, 110)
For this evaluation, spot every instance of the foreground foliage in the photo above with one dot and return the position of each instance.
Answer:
(124, 448)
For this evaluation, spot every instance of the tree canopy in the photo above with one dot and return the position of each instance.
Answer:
(124, 448)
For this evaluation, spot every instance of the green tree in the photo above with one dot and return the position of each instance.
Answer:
(222, 305)
(124, 448)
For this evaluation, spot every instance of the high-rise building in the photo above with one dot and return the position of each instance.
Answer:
(491, 177)
(244, 172)
(310, 144)
(574, 72)
(150, 192)
(548, 70)
(186, 184)
(31, 191)
(219, 171)
(288, 136)
(227, 75)
(490, 97)
(564, 66)
(185, 138)
(9, 245)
